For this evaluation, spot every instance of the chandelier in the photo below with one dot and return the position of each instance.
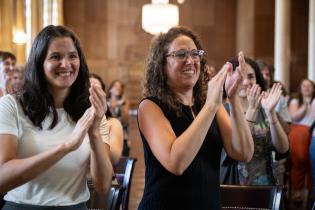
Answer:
(159, 16)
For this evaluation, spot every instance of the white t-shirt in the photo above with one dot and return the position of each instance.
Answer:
(308, 118)
(282, 109)
(62, 184)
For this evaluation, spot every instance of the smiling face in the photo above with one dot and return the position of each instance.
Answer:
(17, 81)
(182, 73)
(61, 65)
(116, 89)
(7, 68)
(307, 88)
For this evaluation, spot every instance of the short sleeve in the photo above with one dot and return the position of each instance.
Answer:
(282, 109)
(104, 129)
(8, 115)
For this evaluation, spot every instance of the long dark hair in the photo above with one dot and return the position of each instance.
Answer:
(35, 99)
(155, 79)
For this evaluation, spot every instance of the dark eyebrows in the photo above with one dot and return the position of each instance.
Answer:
(251, 75)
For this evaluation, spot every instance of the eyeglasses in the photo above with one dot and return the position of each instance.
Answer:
(182, 55)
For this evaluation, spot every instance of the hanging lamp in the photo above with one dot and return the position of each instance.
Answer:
(159, 16)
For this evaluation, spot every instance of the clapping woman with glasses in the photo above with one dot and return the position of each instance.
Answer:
(183, 124)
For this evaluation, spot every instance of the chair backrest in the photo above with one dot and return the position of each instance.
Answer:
(123, 173)
(251, 197)
(1, 201)
(111, 201)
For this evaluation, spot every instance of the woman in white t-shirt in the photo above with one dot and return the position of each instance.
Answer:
(54, 129)
(300, 138)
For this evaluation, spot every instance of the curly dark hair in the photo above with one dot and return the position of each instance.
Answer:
(259, 77)
(35, 98)
(155, 83)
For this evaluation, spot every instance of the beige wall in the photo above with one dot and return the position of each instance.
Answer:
(116, 46)
(299, 42)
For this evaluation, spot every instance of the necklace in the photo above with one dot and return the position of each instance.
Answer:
(192, 112)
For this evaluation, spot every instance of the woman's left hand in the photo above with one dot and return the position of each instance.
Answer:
(98, 103)
(234, 78)
(271, 98)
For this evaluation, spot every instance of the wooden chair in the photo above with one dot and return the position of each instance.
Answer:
(112, 201)
(123, 174)
(251, 197)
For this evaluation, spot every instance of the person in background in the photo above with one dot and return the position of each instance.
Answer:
(54, 130)
(116, 133)
(119, 107)
(312, 154)
(300, 137)
(267, 132)
(281, 161)
(7, 65)
(183, 124)
(17, 80)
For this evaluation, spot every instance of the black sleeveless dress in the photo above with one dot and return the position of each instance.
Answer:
(198, 187)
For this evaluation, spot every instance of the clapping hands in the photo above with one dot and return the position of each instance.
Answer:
(91, 119)
(235, 77)
(271, 98)
(254, 97)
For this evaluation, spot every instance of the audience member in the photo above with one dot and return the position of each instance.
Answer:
(183, 124)
(266, 129)
(17, 80)
(300, 137)
(53, 131)
(312, 153)
(119, 107)
(7, 64)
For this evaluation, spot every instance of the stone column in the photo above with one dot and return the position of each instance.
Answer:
(245, 27)
(282, 42)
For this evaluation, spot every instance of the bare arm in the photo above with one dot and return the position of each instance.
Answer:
(101, 167)
(116, 138)
(125, 112)
(297, 112)
(15, 172)
(237, 138)
(278, 136)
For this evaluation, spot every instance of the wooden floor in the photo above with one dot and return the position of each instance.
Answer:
(138, 178)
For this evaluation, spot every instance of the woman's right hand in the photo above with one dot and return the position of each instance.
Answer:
(80, 130)
(254, 97)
